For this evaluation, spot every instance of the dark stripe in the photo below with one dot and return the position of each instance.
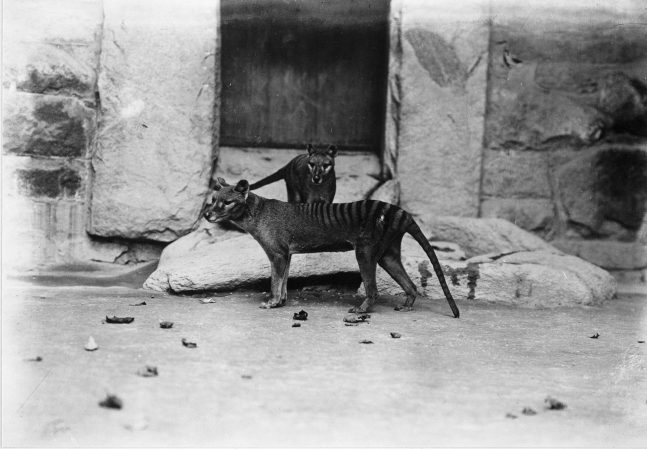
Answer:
(354, 213)
(372, 215)
(326, 215)
(337, 215)
(320, 213)
(345, 215)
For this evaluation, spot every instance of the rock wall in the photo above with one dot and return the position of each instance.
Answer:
(565, 151)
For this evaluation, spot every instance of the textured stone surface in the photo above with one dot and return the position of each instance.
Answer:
(607, 254)
(232, 263)
(389, 192)
(531, 214)
(52, 47)
(604, 192)
(154, 144)
(557, 79)
(440, 86)
(515, 174)
(481, 235)
(46, 125)
(526, 279)
(353, 171)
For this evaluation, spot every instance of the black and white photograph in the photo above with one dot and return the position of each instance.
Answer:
(324, 223)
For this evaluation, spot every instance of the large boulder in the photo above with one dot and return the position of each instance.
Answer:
(202, 262)
(525, 278)
(478, 236)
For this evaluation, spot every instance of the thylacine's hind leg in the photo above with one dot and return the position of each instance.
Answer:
(367, 264)
(391, 261)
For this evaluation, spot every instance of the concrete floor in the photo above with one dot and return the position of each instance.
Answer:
(254, 380)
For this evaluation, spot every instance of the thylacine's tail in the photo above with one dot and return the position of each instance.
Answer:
(417, 234)
(277, 176)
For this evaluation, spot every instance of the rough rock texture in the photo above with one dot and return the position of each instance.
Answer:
(235, 262)
(389, 192)
(530, 214)
(515, 174)
(353, 171)
(478, 236)
(527, 279)
(46, 125)
(607, 254)
(154, 144)
(439, 86)
(604, 191)
(49, 47)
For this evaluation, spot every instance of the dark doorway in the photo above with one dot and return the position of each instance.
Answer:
(306, 71)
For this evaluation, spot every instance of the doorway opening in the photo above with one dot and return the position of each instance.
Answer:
(307, 71)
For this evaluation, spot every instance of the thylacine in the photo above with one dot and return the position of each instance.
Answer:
(372, 228)
(309, 178)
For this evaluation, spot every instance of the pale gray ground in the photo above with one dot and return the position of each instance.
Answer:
(254, 380)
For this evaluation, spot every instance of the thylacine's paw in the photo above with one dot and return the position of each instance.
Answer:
(403, 308)
(271, 304)
(358, 309)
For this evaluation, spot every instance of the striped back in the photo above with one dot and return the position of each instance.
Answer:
(368, 215)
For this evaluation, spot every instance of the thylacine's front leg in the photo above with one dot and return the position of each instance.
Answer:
(280, 269)
(367, 264)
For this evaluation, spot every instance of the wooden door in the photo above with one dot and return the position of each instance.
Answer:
(307, 71)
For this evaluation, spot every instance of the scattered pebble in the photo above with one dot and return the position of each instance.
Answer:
(301, 316)
(189, 344)
(246, 376)
(119, 320)
(147, 371)
(596, 335)
(395, 335)
(357, 318)
(91, 345)
(366, 342)
(143, 303)
(554, 404)
(112, 401)
(296, 324)
(511, 416)
(166, 324)
(35, 359)
(528, 411)
(641, 341)
(207, 300)
(351, 324)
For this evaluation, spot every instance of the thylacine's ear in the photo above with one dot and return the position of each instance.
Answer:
(310, 149)
(216, 183)
(242, 187)
(332, 151)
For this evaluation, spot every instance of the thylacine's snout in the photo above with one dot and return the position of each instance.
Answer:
(316, 179)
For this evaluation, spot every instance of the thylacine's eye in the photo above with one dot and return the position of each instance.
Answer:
(228, 202)
(326, 166)
(311, 165)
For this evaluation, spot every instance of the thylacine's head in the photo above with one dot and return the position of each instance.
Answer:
(320, 162)
(225, 202)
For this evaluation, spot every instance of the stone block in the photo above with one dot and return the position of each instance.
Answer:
(46, 125)
(440, 87)
(52, 46)
(608, 254)
(531, 214)
(155, 140)
(516, 174)
(604, 191)
(477, 236)
(353, 171)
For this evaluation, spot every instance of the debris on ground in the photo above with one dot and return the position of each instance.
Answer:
(296, 324)
(91, 345)
(166, 324)
(207, 300)
(119, 320)
(351, 324)
(641, 341)
(147, 371)
(246, 376)
(511, 416)
(35, 359)
(189, 344)
(528, 411)
(395, 335)
(366, 342)
(357, 318)
(143, 303)
(554, 404)
(112, 401)
(595, 336)
(301, 316)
